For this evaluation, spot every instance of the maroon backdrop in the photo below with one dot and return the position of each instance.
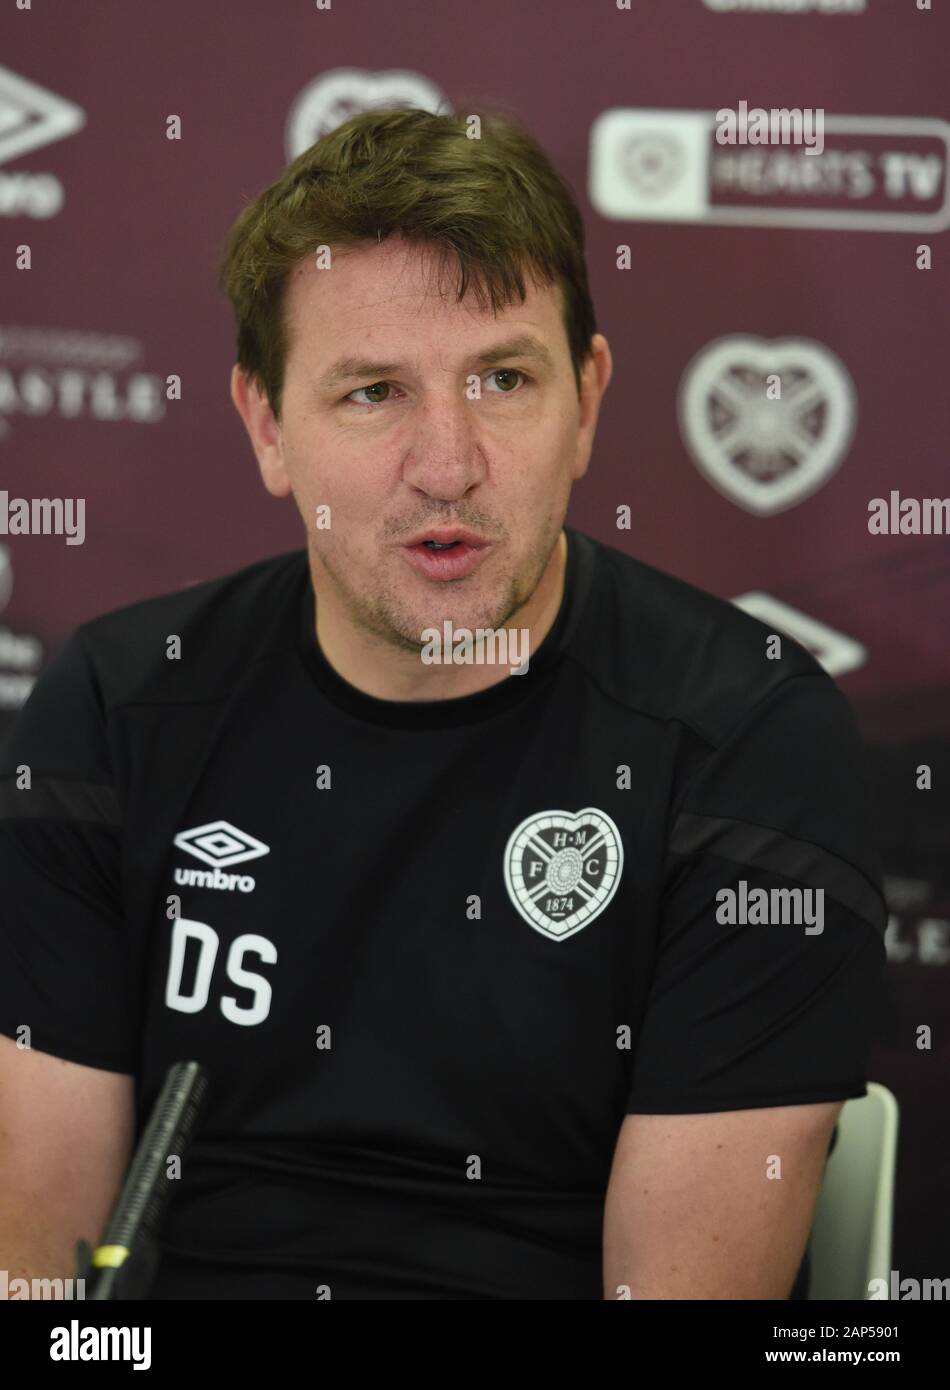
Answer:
(742, 263)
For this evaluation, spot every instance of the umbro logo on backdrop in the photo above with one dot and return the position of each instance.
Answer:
(562, 870)
(222, 845)
(31, 117)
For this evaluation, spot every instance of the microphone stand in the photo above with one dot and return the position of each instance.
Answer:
(123, 1264)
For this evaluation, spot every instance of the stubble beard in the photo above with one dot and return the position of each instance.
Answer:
(385, 618)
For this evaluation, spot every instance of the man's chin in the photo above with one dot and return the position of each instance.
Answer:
(462, 616)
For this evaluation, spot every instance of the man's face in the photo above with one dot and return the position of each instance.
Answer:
(394, 421)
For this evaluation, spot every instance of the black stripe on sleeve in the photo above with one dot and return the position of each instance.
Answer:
(760, 847)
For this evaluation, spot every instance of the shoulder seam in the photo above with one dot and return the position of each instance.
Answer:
(684, 720)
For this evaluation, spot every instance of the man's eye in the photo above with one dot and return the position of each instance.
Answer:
(507, 378)
(376, 386)
(510, 372)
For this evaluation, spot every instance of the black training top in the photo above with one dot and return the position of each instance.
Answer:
(431, 954)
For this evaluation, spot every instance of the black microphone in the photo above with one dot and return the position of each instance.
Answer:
(123, 1264)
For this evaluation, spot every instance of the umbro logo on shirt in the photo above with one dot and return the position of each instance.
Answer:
(222, 845)
(562, 870)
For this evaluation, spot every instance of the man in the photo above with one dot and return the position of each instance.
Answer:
(465, 946)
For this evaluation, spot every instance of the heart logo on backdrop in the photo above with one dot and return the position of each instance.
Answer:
(766, 454)
(653, 162)
(562, 870)
(335, 96)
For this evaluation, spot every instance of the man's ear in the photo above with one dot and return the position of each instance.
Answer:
(263, 431)
(595, 378)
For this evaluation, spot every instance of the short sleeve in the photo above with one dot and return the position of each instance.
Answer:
(63, 969)
(769, 969)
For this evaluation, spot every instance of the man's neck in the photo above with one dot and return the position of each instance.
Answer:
(380, 670)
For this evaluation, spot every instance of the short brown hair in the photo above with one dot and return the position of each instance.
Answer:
(496, 202)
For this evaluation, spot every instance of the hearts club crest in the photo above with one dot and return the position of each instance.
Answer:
(766, 455)
(561, 870)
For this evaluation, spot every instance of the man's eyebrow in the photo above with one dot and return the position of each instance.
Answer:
(362, 368)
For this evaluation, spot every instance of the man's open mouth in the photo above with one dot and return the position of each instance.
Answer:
(447, 537)
(448, 554)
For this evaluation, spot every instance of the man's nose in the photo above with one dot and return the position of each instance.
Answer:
(445, 457)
